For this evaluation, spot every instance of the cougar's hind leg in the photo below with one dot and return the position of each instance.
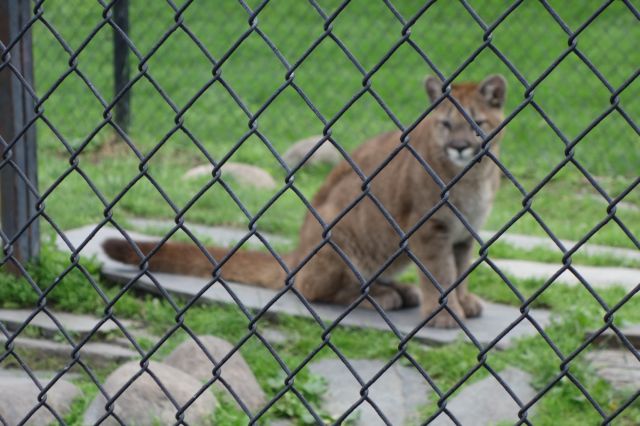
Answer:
(325, 278)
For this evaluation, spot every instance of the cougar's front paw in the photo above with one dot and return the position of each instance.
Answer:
(388, 298)
(443, 319)
(471, 305)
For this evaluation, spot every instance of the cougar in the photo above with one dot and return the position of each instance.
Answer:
(367, 234)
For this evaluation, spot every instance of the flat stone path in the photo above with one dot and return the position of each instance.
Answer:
(596, 276)
(485, 329)
(528, 242)
(486, 402)
(599, 277)
(43, 376)
(96, 352)
(398, 392)
(222, 235)
(82, 325)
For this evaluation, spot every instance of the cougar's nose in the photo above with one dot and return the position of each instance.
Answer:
(459, 144)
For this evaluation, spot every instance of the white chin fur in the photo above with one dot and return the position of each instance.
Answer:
(460, 158)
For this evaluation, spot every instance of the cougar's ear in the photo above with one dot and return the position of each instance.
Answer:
(494, 90)
(433, 86)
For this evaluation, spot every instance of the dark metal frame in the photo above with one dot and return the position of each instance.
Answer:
(27, 108)
(18, 166)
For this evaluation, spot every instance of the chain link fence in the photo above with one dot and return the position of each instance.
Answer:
(241, 81)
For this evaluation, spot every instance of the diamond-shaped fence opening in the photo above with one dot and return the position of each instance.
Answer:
(171, 257)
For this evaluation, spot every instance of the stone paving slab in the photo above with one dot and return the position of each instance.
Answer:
(486, 328)
(398, 393)
(528, 242)
(96, 352)
(43, 376)
(596, 276)
(486, 402)
(599, 277)
(79, 324)
(222, 235)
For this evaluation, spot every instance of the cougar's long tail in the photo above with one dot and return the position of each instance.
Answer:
(247, 267)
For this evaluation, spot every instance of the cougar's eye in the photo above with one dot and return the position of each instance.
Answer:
(481, 123)
(446, 124)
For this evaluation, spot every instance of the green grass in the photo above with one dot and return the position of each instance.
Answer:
(575, 312)
(571, 95)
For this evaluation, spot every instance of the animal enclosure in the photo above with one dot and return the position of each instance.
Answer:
(176, 121)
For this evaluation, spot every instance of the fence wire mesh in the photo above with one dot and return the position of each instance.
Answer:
(239, 81)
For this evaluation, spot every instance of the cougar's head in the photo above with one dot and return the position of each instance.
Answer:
(452, 133)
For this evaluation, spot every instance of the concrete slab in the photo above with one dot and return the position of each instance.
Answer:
(528, 242)
(78, 324)
(98, 353)
(596, 276)
(485, 329)
(43, 376)
(222, 235)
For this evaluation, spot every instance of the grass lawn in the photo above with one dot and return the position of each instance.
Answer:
(572, 96)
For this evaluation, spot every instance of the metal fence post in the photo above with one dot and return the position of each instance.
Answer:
(18, 161)
(121, 69)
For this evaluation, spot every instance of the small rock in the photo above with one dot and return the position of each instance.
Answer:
(398, 393)
(610, 339)
(144, 402)
(327, 153)
(19, 395)
(244, 174)
(486, 402)
(190, 358)
(98, 353)
(618, 367)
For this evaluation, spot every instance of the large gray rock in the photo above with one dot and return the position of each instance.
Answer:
(19, 395)
(618, 367)
(144, 402)
(189, 357)
(398, 393)
(327, 153)
(245, 174)
(486, 402)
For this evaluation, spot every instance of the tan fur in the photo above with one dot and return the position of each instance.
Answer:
(442, 244)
